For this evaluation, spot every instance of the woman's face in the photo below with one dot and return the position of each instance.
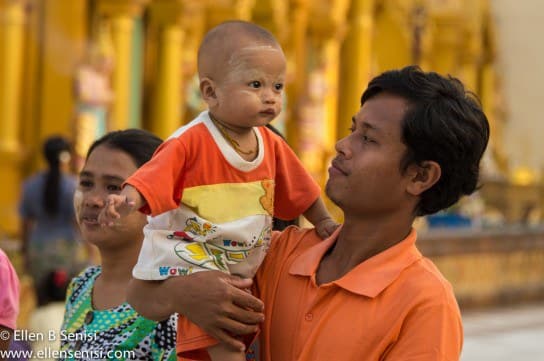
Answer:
(103, 173)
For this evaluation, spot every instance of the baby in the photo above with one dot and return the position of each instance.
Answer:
(213, 187)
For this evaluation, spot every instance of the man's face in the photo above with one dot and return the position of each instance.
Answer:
(365, 176)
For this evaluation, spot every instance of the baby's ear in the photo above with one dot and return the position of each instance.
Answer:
(207, 89)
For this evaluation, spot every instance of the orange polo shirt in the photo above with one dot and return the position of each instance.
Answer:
(393, 306)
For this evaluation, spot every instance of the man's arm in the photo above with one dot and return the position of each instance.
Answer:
(214, 301)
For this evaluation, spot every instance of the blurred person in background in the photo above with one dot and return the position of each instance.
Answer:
(49, 231)
(9, 301)
(47, 318)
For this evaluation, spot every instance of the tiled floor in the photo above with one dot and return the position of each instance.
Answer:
(507, 334)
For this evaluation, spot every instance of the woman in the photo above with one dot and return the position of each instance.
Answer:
(98, 320)
(49, 231)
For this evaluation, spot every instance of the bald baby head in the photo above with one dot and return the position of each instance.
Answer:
(221, 45)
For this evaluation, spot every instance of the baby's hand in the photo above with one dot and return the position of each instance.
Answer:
(326, 227)
(117, 206)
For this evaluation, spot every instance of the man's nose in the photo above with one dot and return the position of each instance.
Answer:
(341, 147)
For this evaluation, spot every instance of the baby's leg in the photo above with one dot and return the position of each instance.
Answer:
(222, 352)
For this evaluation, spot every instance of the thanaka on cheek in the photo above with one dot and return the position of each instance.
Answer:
(78, 202)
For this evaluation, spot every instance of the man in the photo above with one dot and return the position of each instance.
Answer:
(366, 293)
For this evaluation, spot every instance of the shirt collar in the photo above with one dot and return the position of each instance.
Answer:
(370, 277)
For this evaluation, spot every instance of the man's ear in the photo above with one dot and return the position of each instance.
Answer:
(207, 89)
(423, 176)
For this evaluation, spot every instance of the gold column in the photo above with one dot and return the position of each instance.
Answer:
(243, 9)
(122, 26)
(119, 15)
(355, 62)
(298, 62)
(168, 101)
(12, 18)
(30, 122)
(171, 20)
(328, 30)
(11, 55)
(219, 11)
(316, 107)
(63, 40)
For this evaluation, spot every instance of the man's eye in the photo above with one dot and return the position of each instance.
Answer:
(367, 139)
(278, 86)
(255, 84)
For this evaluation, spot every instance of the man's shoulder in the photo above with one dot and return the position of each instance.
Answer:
(423, 278)
(293, 239)
(83, 280)
(285, 247)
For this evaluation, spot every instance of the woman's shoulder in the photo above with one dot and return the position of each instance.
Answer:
(82, 281)
(87, 274)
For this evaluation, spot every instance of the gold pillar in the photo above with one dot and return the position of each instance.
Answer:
(243, 9)
(170, 20)
(316, 108)
(219, 11)
(12, 18)
(328, 30)
(298, 62)
(11, 56)
(119, 15)
(168, 101)
(30, 112)
(63, 40)
(331, 52)
(122, 26)
(355, 63)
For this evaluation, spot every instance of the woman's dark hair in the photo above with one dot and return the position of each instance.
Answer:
(137, 143)
(444, 123)
(53, 148)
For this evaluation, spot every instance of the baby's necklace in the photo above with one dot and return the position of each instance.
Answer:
(226, 135)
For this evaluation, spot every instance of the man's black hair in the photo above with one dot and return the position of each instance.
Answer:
(444, 123)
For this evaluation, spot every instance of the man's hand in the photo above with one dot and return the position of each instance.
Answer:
(326, 227)
(216, 302)
(220, 305)
(117, 206)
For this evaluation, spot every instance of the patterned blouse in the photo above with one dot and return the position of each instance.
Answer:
(119, 333)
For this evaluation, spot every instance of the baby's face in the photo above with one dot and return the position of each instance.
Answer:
(250, 94)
